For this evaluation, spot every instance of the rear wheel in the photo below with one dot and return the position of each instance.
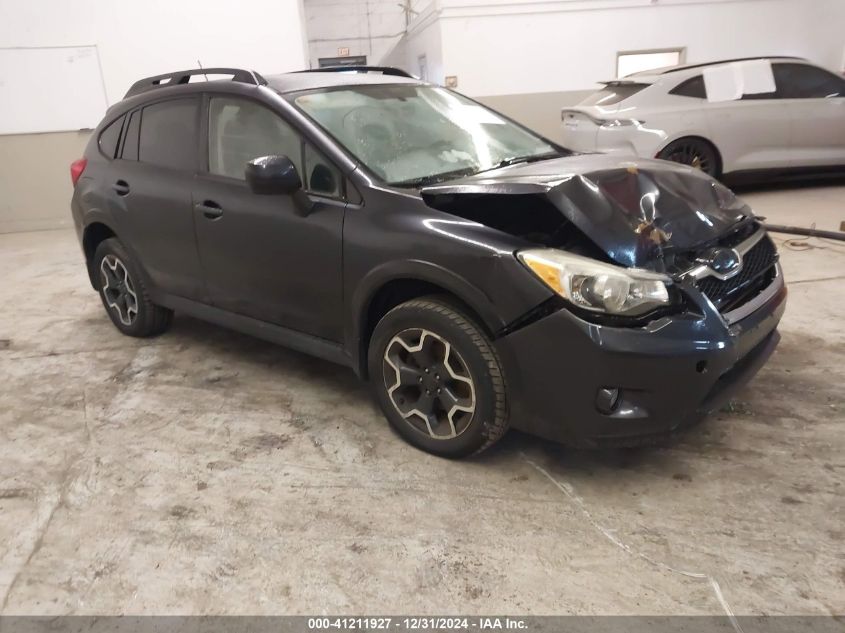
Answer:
(437, 378)
(124, 295)
(694, 152)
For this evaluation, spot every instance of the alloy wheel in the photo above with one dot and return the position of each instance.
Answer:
(692, 154)
(118, 290)
(429, 383)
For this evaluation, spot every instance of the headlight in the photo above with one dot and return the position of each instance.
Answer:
(596, 286)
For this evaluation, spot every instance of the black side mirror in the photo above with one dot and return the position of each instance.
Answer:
(272, 175)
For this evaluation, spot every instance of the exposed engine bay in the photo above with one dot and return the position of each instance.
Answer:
(530, 217)
(643, 214)
(649, 216)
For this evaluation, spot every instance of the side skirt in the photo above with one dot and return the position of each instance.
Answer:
(312, 345)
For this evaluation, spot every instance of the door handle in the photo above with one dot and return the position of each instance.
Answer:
(121, 187)
(210, 209)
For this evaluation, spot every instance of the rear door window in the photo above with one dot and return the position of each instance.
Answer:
(799, 81)
(169, 134)
(761, 96)
(110, 136)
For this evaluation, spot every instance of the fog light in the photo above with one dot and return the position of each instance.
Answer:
(606, 399)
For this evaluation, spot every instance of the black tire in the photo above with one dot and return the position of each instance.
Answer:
(110, 261)
(432, 323)
(695, 152)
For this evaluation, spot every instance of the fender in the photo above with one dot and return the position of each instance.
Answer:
(97, 216)
(417, 270)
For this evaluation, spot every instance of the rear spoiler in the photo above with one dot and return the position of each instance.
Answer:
(357, 68)
(624, 82)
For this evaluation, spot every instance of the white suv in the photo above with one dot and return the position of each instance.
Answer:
(667, 114)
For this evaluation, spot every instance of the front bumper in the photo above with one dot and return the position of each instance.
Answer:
(670, 373)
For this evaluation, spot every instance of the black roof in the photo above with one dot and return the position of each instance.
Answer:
(310, 80)
(360, 68)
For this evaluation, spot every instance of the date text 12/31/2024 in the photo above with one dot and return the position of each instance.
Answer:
(424, 623)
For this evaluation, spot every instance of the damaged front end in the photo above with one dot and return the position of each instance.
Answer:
(671, 287)
(621, 238)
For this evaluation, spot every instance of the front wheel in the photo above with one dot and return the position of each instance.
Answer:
(438, 379)
(694, 152)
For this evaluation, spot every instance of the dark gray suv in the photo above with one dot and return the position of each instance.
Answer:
(478, 275)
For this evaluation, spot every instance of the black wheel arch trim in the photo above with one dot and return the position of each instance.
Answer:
(96, 217)
(410, 270)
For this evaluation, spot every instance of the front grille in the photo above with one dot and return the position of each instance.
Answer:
(757, 272)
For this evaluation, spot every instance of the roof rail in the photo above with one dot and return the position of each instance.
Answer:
(725, 61)
(184, 76)
(384, 70)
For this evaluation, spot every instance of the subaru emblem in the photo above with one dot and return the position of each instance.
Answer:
(723, 263)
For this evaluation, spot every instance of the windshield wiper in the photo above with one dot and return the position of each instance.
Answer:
(435, 178)
(531, 158)
(471, 171)
(507, 162)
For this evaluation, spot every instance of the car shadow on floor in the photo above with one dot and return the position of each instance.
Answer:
(517, 445)
(222, 342)
(323, 375)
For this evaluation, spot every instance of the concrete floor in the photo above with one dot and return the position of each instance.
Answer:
(208, 472)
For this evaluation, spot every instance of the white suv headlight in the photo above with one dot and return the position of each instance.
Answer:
(596, 286)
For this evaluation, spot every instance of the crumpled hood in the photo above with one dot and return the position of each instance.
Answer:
(636, 210)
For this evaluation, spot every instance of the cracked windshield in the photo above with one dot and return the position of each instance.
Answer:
(418, 135)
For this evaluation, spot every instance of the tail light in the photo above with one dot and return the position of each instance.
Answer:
(76, 169)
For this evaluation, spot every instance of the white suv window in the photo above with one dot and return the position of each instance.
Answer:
(799, 81)
(693, 87)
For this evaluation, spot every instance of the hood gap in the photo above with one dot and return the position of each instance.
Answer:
(530, 217)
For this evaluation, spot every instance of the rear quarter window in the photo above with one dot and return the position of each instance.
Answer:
(110, 136)
(130, 137)
(693, 87)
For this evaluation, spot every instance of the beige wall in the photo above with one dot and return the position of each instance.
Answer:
(35, 186)
(539, 111)
(134, 40)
